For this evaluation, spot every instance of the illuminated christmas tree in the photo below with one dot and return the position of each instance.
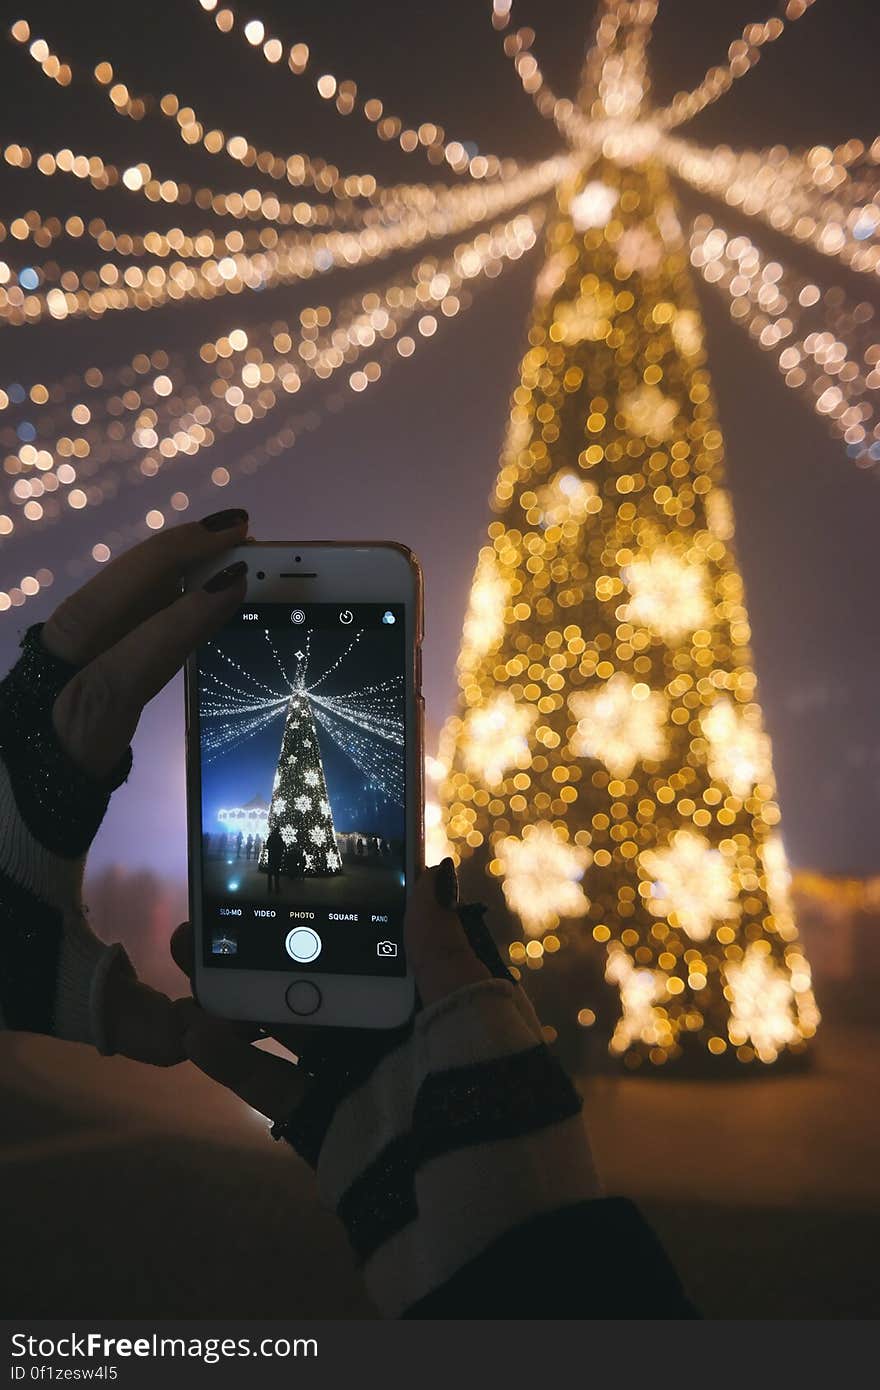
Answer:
(300, 808)
(608, 762)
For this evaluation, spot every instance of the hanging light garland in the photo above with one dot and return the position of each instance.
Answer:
(428, 138)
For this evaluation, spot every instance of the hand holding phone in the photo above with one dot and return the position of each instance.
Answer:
(304, 787)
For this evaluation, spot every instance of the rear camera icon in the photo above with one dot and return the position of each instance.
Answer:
(297, 616)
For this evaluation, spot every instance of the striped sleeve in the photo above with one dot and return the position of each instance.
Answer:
(454, 1152)
(462, 1131)
(53, 969)
(597, 1259)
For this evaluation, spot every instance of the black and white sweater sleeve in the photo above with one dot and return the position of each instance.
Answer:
(53, 969)
(460, 1166)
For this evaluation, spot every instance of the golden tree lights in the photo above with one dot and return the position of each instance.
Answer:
(606, 648)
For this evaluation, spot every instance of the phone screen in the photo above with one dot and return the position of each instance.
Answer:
(302, 738)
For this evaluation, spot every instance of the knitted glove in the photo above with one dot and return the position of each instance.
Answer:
(54, 971)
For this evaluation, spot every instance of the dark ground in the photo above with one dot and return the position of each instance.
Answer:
(131, 1192)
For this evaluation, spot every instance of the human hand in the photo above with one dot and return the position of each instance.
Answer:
(68, 710)
(430, 1141)
(442, 951)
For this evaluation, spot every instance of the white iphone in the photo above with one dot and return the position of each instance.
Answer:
(304, 786)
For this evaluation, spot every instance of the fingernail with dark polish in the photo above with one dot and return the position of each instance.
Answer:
(224, 579)
(224, 521)
(446, 884)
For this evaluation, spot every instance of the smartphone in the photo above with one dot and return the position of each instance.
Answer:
(304, 786)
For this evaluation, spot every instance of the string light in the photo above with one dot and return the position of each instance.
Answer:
(742, 55)
(251, 205)
(169, 241)
(454, 211)
(501, 247)
(613, 88)
(825, 346)
(428, 138)
(297, 169)
(49, 63)
(811, 199)
(518, 48)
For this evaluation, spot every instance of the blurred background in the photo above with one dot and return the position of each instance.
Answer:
(131, 1192)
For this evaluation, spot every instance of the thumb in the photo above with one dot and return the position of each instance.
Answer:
(142, 1023)
(438, 950)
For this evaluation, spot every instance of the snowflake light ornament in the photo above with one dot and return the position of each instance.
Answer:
(668, 594)
(494, 737)
(302, 802)
(777, 878)
(317, 835)
(593, 206)
(648, 413)
(541, 877)
(690, 884)
(437, 845)
(311, 778)
(288, 834)
(587, 319)
(641, 991)
(484, 623)
(762, 1003)
(739, 750)
(621, 724)
(638, 250)
(687, 332)
(776, 869)
(567, 498)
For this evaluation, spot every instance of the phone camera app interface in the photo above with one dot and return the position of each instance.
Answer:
(302, 738)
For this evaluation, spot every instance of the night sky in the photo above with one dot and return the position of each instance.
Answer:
(414, 460)
(246, 769)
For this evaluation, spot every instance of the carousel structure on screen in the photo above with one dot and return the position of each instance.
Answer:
(607, 764)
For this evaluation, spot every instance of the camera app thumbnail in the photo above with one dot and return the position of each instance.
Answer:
(302, 736)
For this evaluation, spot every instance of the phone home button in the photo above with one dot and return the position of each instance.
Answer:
(303, 997)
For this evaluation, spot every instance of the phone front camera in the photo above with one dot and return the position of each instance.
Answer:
(298, 559)
(261, 574)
